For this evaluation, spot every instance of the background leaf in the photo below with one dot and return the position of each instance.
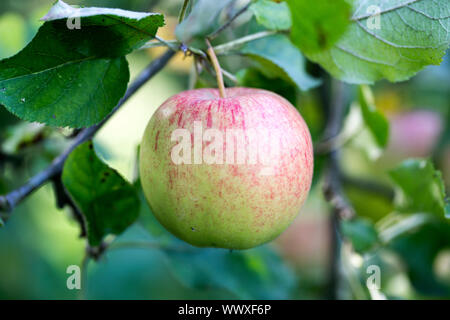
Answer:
(412, 35)
(317, 25)
(109, 203)
(249, 274)
(201, 21)
(272, 15)
(277, 56)
(420, 187)
(361, 233)
(148, 220)
(356, 126)
(419, 249)
(74, 77)
(251, 77)
(374, 119)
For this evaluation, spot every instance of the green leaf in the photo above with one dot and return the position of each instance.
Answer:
(201, 21)
(253, 78)
(272, 15)
(362, 138)
(420, 188)
(419, 248)
(411, 35)
(250, 274)
(317, 25)
(109, 203)
(361, 233)
(74, 77)
(374, 119)
(276, 56)
(1, 223)
(368, 204)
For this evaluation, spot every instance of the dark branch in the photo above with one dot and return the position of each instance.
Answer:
(334, 98)
(333, 190)
(333, 185)
(11, 158)
(10, 201)
(230, 21)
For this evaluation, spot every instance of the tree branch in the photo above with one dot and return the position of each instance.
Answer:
(334, 98)
(11, 200)
(333, 185)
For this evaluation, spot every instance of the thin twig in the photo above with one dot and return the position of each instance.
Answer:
(223, 48)
(216, 65)
(159, 42)
(230, 21)
(369, 186)
(11, 200)
(229, 75)
(98, 252)
(148, 245)
(337, 142)
(183, 11)
(172, 44)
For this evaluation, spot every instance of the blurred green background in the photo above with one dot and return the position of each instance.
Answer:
(40, 242)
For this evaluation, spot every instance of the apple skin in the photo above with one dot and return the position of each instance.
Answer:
(230, 205)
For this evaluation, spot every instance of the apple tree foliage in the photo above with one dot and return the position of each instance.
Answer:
(73, 78)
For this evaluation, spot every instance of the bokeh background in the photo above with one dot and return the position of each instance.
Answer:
(39, 241)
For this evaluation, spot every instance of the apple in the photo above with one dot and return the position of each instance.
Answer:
(228, 172)
(414, 133)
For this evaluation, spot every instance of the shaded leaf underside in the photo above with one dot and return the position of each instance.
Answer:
(109, 203)
(277, 55)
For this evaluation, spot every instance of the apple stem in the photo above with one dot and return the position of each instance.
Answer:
(216, 65)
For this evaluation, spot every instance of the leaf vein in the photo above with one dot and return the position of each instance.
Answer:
(389, 42)
(368, 15)
(363, 58)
